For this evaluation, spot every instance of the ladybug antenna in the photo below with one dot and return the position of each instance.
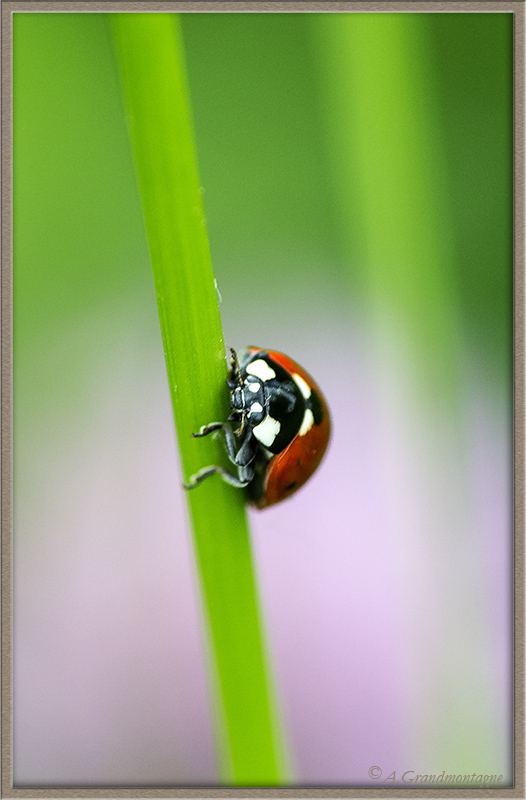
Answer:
(240, 382)
(236, 362)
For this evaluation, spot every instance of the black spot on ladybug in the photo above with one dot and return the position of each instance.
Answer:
(291, 486)
(315, 406)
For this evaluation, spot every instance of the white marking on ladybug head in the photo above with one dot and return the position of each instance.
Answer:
(267, 431)
(261, 370)
(302, 385)
(253, 387)
(255, 408)
(308, 422)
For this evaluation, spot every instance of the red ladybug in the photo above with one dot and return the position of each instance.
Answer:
(284, 427)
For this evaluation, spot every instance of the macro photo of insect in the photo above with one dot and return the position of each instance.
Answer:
(262, 396)
(284, 427)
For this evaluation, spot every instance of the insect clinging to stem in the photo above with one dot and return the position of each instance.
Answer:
(283, 427)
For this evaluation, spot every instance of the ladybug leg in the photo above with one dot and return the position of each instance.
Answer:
(247, 449)
(239, 482)
(243, 458)
(210, 428)
(230, 442)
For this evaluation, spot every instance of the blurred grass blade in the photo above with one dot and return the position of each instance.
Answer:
(151, 64)
(387, 151)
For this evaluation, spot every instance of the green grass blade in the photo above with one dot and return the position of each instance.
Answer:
(151, 64)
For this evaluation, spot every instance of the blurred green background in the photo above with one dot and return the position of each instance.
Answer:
(357, 177)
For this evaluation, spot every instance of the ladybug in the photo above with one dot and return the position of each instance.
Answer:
(284, 427)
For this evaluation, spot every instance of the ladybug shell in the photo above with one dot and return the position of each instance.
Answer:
(287, 471)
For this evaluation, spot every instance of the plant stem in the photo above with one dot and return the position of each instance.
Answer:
(150, 58)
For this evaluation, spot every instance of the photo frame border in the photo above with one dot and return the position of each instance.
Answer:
(517, 8)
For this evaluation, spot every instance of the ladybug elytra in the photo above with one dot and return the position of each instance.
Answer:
(284, 427)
